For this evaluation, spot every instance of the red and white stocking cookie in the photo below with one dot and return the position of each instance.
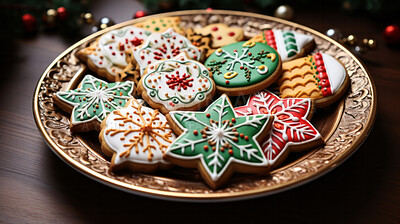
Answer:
(291, 129)
(177, 84)
(320, 77)
(136, 137)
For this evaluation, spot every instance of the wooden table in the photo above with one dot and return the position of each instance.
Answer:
(37, 187)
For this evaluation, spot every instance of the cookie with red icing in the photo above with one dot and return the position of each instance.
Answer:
(136, 137)
(289, 44)
(320, 77)
(177, 84)
(110, 53)
(291, 129)
(222, 34)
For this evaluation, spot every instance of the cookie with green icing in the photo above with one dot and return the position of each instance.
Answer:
(243, 68)
(218, 142)
(177, 84)
(92, 101)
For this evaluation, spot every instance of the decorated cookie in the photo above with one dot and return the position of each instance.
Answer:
(177, 84)
(243, 68)
(163, 46)
(136, 137)
(291, 129)
(222, 34)
(289, 44)
(201, 41)
(320, 77)
(162, 24)
(92, 101)
(218, 142)
(109, 54)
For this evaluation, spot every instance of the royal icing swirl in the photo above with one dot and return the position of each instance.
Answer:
(95, 98)
(164, 46)
(137, 134)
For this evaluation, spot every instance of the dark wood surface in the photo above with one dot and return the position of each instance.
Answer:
(37, 187)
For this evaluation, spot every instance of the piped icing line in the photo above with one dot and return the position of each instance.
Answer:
(177, 83)
(219, 138)
(110, 52)
(95, 98)
(138, 134)
(290, 125)
(164, 45)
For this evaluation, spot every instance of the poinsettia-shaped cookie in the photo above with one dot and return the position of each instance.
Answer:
(291, 129)
(289, 44)
(136, 137)
(218, 142)
(92, 101)
(177, 84)
(164, 45)
(109, 54)
(320, 77)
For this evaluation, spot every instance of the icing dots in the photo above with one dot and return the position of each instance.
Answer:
(95, 98)
(330, 70)
(222, 34)
(290, 126)
(218, 138)
(177, 83)
(164, 46)
(242, 64)
(111, 50)
(162, 24)
(137, 134)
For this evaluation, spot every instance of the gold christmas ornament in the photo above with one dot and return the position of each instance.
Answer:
(284, 12)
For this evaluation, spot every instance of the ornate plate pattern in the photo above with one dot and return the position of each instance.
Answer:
(353, 121)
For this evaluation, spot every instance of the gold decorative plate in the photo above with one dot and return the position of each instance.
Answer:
(344, 125)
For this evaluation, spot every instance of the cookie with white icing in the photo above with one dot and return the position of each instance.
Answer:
(320, 77)
(289, 44)
(177, 84)
(110, 53)
(218, 142)
(291, 128)
(161, 46)
(136, 137)
(92, 101)
(221, 34)
(243, 68)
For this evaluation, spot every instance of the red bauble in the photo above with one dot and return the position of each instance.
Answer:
(29, 22)
(62, 13)
(139, 14)
(209, 9)
(391, 34)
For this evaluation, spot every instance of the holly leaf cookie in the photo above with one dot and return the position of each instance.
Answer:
(161, 24)
(110, 53)
(92, 101)
(136, 137)
(289, 44)
(177, 84)
(291, 129)
(320, 77)
(244, 68)
(163, 46)
(218, 142)
(221, 34)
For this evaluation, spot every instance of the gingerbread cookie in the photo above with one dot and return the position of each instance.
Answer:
(201, 41)
(160, 25)
(291, 129)
(163, 46)
(243, 68)
(110, 53)
(320, 77)
(218, 142)
(136, 137)
(289, 44)
(177, 84)
(222, 34)
(92, 101)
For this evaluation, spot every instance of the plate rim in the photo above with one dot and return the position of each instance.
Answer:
(204, 197)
